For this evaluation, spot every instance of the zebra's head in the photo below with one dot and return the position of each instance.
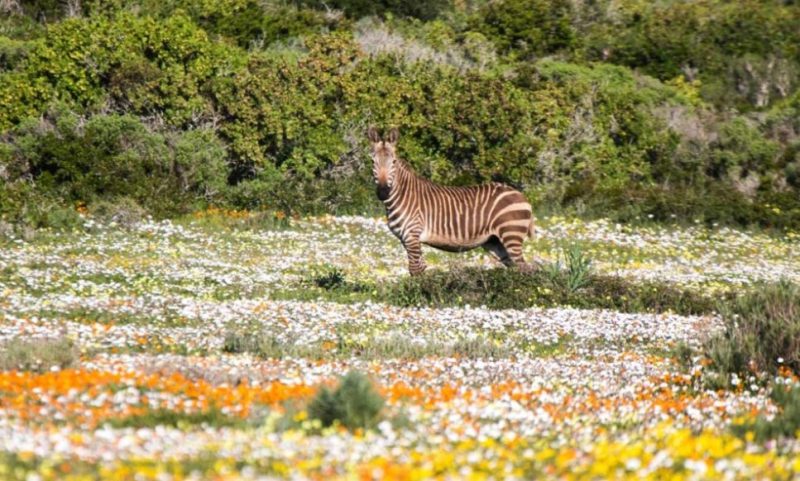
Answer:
(384, 156)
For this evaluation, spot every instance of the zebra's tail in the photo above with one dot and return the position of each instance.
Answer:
(531, 229)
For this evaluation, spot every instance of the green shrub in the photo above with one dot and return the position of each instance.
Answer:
(330, 279)
(250, 22)
(142, 65)
(112, 156)
(736, 49)
(502, 288)
(761, 335)
(354, 403)
(161, 102)
(422, 9)
(47, 10)
(279, 124)
(12, 52)
(123, 211)
(39, 355)
(528, 27)
(20, 27)
(741, 150)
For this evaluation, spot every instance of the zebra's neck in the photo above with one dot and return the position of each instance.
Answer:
(403, 179)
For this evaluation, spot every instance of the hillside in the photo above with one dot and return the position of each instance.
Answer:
(674, 111)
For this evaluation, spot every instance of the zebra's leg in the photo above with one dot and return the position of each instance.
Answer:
(494, 246)
(511, 240)
(416, 265)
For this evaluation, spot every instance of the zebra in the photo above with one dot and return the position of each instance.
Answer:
(455, 219)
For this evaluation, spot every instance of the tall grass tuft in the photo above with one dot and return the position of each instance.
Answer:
(573, 270)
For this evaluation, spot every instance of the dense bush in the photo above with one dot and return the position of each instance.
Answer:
(528, 27)
(253, 23)
(747, 50)
(422, 9)
(108, 156)
(133, 64)
(250, 104)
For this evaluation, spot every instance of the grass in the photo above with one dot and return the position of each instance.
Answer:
(347, 346)
(267, 346)
(214, 219)
(397, 346)
(167, 417)
(37, 355)
(561, 346)
(502, 288)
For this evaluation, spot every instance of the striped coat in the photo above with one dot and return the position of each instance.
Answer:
(493, 216)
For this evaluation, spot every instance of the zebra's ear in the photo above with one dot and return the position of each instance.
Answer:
(373, 135)
(392, 135)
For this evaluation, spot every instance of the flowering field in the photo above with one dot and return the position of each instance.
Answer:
(154, 314)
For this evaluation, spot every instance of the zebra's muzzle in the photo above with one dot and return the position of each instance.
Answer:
(383, 191)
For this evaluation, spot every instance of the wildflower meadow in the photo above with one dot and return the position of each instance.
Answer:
(199, 348)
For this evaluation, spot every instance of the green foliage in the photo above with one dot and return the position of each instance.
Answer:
(39, 355)
(712, 203)
(354, 403)
(422, 9)
(145, 66)
(785, 424)
(330, 279)
(22, 204)
(761, 335)
(278, 122)
(740, 149)
(251, 23)
(118, 156)
(12, 52)
(732, 47)
(123, 211)
(46, 10)
(268, 346)
(510, 289)
(528, 27)
(502, 288)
